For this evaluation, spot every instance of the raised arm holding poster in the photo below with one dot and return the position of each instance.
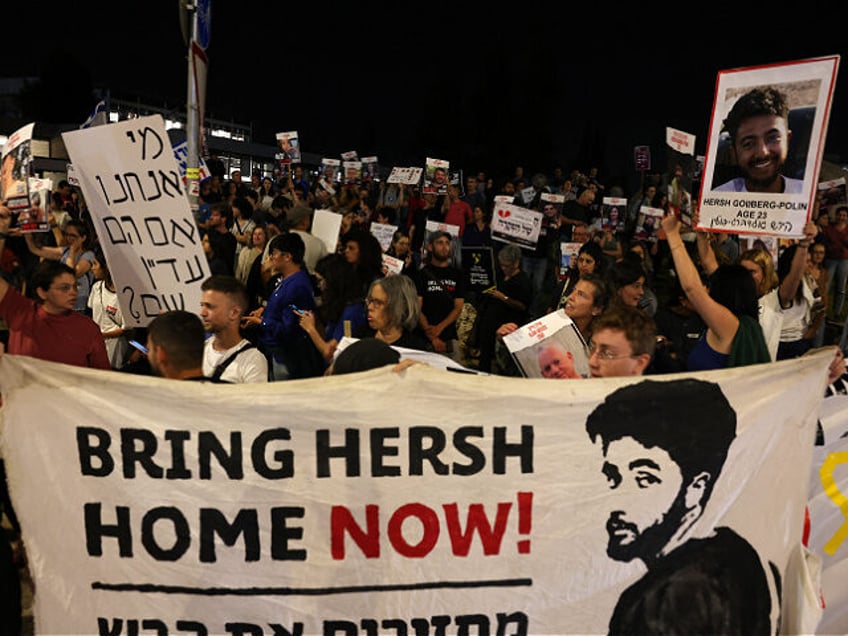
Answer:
(130, 179)
(765, 147)
(159, 507)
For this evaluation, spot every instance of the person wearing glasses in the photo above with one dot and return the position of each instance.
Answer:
(392, 312)
(75, 254)
(49, 328)
(623, 342)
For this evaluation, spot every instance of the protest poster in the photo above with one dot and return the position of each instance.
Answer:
(405, 175)
(391, 264)
(527, 195)
(160, 506)
(350, 155)
(828, 510)
(34, 218)
(478, 267)
(682, 165)
(613, 213)
(331, 170)
(435, 176)
(131, 182)
(550, 204)
(431, 226)
(500, 199)
(648, 221)
(72, 175)
(289, 147)
(765, 147)
(326, 225)
(383, 232)
(514, 224)
(567, 255)
(181, 155)
(831, 195)
(352, 171)
(550, 347)
(15, 161)
(370, 168)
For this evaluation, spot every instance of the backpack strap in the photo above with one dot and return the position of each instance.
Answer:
(219, 370)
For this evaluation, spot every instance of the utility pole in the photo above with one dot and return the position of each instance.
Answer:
(195, 23)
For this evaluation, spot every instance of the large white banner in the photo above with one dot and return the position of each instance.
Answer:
(828, 510)
(415, 502)
(132, 185)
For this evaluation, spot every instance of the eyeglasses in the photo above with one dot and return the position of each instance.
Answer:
(375, 301)
(67, 235)
(66, 288)
(606, 354)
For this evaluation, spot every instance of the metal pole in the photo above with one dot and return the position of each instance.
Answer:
(192, 118)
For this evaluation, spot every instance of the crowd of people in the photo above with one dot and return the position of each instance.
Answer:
(279, 301)
(709, 300)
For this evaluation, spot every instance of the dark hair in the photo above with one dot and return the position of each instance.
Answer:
(651, 412)
(601, 296)
(229, 285)
(180, 333)
(291, 243)
(341, 286)
(733, 286)
(625, 272)
(48, 271)
(363, 355)
(224, 210)
(594, 250)
(243, 205)
(759, 101)
(370, 264)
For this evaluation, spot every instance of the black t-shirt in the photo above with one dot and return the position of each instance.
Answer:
(438, 288)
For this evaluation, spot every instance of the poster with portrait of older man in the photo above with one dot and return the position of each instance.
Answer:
(550, 347)
(765, 147)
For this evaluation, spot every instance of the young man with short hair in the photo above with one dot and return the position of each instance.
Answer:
(623, 342)
(227, 355)
(758, 125)
(175, 346)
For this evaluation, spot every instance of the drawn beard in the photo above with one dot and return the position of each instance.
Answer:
(626, 542)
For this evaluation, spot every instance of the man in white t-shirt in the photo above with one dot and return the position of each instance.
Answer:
(227, 355)
(299, 218)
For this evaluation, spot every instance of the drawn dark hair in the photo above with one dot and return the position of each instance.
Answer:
(690, 419)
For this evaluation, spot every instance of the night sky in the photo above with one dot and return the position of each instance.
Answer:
(484, 87)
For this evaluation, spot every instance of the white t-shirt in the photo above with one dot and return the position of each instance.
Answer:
(247, 367)
(107, 314)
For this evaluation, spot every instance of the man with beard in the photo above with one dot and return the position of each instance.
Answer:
(759, 136)
(441, 296)
(664, 445)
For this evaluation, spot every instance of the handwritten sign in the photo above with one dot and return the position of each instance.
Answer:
(131, 182)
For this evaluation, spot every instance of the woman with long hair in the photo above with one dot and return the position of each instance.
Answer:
(341, 311)
(729, 309)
